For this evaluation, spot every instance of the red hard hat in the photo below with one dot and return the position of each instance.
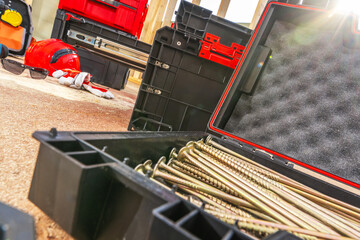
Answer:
(52, 54)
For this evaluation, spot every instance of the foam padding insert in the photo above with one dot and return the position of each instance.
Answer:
(307, 103)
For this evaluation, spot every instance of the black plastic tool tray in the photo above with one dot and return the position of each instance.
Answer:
(86, 183)
(179, 90)
(197, 21)
(95, 29)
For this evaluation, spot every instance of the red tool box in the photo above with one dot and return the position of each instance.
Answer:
(213, 50)
(126, 15)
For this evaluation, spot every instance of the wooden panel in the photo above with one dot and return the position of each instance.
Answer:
(169, 12)
(197, 2)
(153, 20)
(224, 5)
(259, 9)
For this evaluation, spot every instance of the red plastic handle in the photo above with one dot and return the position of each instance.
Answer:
(71, 17)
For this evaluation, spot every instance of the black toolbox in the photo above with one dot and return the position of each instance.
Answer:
(85, 180)
(172, 90)
(105, 52)
(104, 71)
(179, 84)
(197, 21)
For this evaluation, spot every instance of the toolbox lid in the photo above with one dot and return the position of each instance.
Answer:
(296, 90)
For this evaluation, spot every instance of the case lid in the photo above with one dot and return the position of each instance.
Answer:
(296, 91)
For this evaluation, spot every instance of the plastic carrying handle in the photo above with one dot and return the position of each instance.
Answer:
(110, 3)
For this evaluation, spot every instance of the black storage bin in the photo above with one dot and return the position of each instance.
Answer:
(197, 21)
(65, 21)
(96, 194)
(78, 171)
(105, 52)
(178, 86)
(104, 71)
(15, 225)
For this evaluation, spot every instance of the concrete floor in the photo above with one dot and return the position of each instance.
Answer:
(28, 105)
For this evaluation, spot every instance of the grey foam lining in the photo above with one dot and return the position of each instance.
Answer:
(307, 104)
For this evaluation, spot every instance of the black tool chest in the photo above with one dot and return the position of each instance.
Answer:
(105, 52)
(170, 92)
(197, 21)
(179, 84)
(86, 181)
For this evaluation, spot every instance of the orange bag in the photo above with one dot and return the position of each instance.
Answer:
(12, 37)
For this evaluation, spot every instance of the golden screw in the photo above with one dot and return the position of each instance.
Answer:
(195, 184)
(140, 169)
(240, 220)
(270, 190)
(354, 211)
(203, 177)
(243, 190)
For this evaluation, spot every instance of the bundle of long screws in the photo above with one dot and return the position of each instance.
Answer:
(260, 201)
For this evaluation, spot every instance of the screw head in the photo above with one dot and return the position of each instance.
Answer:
(170, 163)
(181, 152)
(140, 169)
(156, 168)
(190, 145)
(173, 153)
(208, 139)
(147, 165)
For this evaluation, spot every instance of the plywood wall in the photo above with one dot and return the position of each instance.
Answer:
(43, 15)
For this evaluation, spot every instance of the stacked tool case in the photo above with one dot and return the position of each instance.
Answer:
(198, 21)
(85, 180)
(15, 224)
(222, 41)
(173, 88)
(105, 52)
(185, 77)
(126, 15)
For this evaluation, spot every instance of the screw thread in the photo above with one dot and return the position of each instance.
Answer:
(257, 180)
(244, 170)
(228, 206)
(254, 227)
(234, 161)
(203, 177)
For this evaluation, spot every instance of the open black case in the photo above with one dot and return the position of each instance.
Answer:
(85, 181)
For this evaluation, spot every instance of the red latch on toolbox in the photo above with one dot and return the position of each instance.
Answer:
(213, 50)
